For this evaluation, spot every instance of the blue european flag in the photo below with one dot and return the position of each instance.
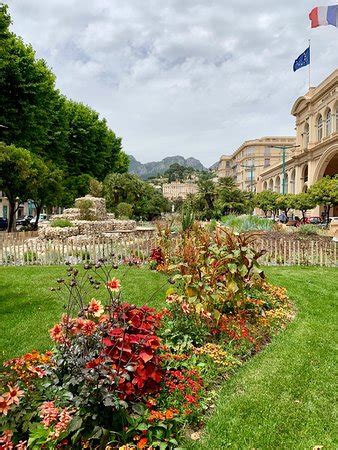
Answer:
(302, 60)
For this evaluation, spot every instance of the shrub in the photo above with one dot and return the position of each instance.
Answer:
(308, 229)
(62, 223)
(247, 223)
(85, 207)
(124, 210)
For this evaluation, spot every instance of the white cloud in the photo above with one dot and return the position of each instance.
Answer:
(190, 77)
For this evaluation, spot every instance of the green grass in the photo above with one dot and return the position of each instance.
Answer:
(28, 308)
(284, 398)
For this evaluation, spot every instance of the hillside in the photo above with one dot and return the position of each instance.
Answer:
(158, 167)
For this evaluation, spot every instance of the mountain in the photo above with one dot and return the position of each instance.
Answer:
(158, 167)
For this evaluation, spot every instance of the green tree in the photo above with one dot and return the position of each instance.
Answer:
(325, 192)
(16, 171)
(124, 210)
(29, 101)
(285, 202)
(303, 202)
(45, 186)
(266, 201)
(207, 195)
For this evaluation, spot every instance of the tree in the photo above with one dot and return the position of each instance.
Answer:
(207, 193)
(29, 101)
(303, 202)
(325, 192)
(16, 172)
(45, 186)
(147, 201)
(266, 201)
(285, 202)
(124, 210)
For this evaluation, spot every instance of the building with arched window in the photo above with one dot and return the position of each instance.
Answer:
(316, 154)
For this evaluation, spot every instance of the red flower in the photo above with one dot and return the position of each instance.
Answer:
(190, 398)
(88, 327)
(95, 307)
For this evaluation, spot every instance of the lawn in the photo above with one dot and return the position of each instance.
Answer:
(283, 398)
(28, 308)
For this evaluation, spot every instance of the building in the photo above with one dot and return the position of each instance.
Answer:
(177, 189)
(316, 154)
(24, 209)
(247, 163)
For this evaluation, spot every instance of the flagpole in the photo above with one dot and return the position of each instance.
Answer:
(310, 64)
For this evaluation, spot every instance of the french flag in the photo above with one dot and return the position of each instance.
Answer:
(324, 15)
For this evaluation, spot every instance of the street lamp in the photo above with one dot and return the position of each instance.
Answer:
(251, 167)
(283, 148)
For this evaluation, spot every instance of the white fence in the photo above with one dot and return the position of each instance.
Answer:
(18, 249)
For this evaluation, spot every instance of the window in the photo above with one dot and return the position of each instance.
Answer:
(267, 152)
(320, 128)
(266, 162)
(328, 123)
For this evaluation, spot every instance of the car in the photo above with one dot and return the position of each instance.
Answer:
(24, 221)
(42, 218)
(3, 223)
(314, 220)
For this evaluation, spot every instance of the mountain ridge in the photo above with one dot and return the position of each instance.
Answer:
(155, 168)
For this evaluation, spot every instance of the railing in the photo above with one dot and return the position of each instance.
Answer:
(39, 252)
(305, 252)
(18, 250)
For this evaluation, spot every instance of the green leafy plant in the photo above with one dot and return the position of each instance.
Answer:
(85, 207)
(247, 223)
(308, 229)
(62, 223)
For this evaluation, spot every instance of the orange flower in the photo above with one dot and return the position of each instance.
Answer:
(114, 285)
(4, 405)
(56, 333)
(88, 327)
(14, 395)
(142, 443)
(95, 307)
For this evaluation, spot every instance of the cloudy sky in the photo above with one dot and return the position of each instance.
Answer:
(188, 77)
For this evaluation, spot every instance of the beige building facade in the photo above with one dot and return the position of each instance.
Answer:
(316, 154)
(177, 189)
(247, 163)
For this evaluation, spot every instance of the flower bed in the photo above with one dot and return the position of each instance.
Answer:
(122, 376)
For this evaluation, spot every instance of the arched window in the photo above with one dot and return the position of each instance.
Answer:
(286, 183)
(271, 184)
(328, 123)
(265, 186)
(320, 128)
(277, 184)
(306, 135)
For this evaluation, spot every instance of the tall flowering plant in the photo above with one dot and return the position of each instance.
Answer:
(106, 361)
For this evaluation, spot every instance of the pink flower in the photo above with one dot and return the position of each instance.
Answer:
(95, 307)
(114, 285)
(64, 419)
(6, 440)
(173, 298)
(14, 395)
(49, 413)
(185, 308)
(5, 405)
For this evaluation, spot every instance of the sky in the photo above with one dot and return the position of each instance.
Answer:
(181, 77)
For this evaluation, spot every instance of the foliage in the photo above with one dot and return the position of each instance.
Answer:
(95, 188)
(188, 217)
(62, 223)
(124, 210)
(247, 223)
(176, 172)
(307, 229)
(303, 202)
(285, 202)
(148, 203)
(86, 212)
(325, 192)
(266, 201)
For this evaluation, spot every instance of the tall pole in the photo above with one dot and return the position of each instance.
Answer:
(251, 177)
(310, 64)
